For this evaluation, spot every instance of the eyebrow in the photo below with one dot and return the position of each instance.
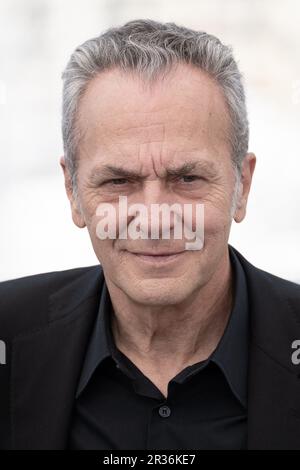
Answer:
(204, 166)
(108, 171)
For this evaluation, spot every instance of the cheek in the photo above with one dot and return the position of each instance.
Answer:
(217, 208)
(90, 202)
(104, 250)
(216, 221)
(102, 247)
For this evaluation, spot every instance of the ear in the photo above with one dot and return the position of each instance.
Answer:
(75, 208)
(248, 167)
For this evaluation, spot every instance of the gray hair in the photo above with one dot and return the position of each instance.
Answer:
(150, 48)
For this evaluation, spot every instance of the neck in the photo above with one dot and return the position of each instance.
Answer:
(174, 336)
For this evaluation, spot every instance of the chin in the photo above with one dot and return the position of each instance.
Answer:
(158, 292)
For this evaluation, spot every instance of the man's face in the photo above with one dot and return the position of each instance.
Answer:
(131, 137)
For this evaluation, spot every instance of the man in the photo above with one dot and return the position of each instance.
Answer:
(160, 347)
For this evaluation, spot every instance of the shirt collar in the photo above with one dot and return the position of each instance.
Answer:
(231, 354)
(101, 342)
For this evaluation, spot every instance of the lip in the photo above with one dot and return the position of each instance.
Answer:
(157, 258)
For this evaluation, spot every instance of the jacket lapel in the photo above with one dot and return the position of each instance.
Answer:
(273, 380)
(274, 404)
(46, 364)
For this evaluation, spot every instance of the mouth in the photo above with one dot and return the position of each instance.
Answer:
(157, 258)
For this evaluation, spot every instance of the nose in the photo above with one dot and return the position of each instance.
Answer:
(158, 215)
(153, 192)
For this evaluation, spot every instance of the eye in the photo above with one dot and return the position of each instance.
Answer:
(117, 181)
(190, 178)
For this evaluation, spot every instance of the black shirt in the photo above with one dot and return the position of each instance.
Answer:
(118, 407)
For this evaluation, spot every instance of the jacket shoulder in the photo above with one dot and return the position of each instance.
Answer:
(280, 282)
(285, 289)
(24, 301)
(263, 282)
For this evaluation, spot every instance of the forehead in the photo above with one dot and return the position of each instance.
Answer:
(119, 115)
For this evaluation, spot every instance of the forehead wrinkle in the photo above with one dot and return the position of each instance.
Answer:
(149, 158)
(119, 126)
(128, 149)
(184, 129)
(194, 89)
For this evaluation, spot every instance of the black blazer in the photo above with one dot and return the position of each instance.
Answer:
(46, 321)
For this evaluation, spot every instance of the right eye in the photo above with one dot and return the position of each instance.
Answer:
(117, 181)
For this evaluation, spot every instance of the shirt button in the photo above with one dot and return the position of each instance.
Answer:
(164, 411)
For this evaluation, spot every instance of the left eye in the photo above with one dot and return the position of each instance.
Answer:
(190, 178)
